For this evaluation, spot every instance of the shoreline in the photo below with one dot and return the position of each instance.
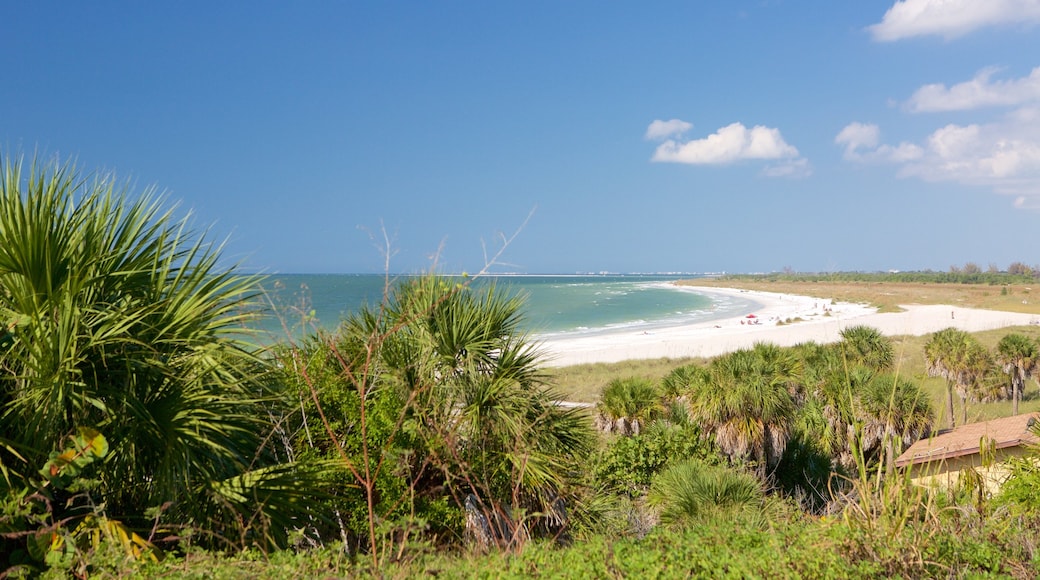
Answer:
(820, 320)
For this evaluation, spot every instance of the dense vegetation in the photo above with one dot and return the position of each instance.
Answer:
(142, 433)
(120, 366)
(1016, 273)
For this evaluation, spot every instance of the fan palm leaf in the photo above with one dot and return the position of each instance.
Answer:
(746, 401)
(119, 316)
(626, 405)
(864, 345)
(479, 406)
(692, 492)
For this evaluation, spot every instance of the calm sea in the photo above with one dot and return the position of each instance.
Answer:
(554, 305)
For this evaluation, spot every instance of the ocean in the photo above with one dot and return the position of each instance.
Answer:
(554, 305)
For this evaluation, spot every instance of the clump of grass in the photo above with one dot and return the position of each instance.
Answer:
(694, 492)
(795, 319)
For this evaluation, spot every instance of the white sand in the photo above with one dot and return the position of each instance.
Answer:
(821, 322)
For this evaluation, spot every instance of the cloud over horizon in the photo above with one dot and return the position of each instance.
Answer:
(730, 144)
(951, 18)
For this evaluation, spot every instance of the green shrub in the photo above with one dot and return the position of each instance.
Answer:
(1020, 494)
(628, 405)
(430, 403)
(692, 491)
(628, 464)
(115, 315)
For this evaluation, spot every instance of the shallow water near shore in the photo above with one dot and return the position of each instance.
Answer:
(555, 306)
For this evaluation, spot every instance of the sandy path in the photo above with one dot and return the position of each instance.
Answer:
(821, 322)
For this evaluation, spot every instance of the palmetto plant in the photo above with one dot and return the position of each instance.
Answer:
(675, 386)
(849, 393)
(117, 316)
(745, 400)
(865, 345)
(894, 413)
(835, 393)
(480, 416)
(627, 405)
(692, 492)
(959, 358)
(1019, 357)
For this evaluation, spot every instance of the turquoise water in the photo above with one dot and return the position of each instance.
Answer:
(554, 305)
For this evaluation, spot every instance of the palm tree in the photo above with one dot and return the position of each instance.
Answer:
(959, 358)
(837, 393)
(978, 381)
(846, 383)
(811, 457)
(864, 345)
(627, 405)
(1019, 357)
(783, 364)
(475, 399)
(119, 317)
(892, 410)
(817, 361)
(675, 386)
(745, 400)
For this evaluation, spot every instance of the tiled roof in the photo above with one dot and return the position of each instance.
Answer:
(964, 440)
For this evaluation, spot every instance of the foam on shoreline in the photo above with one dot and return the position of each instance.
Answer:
(782, 319)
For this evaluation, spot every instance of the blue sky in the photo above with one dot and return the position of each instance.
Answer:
(608, 136)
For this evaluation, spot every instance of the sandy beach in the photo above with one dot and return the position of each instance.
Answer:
(820, 321)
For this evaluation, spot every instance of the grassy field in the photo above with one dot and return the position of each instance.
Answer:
(887, 296)
(583, 383)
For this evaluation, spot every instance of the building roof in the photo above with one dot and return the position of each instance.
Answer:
(966, 439)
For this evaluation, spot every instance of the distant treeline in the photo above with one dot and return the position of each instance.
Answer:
(1017, 273)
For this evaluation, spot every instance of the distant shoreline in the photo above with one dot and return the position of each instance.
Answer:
(801, 319)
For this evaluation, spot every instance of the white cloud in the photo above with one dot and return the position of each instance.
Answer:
(998, 155)
(729, 144)
(951, 18)
(976, 93)
(900, 153)
(954, 141)
(861, 144)
(1003, 156)
(858, 135)
(663, 129)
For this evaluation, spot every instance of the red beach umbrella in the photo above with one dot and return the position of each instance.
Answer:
(751, 316)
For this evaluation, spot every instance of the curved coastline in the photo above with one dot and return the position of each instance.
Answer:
(800, 318)
(723, 306)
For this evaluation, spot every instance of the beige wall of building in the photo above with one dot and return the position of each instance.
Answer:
(947, 473)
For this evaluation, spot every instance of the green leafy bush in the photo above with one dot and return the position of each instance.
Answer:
(628, 405)
(628, 464)
(691, 491)
(431, 402)
(117, 315)
(1020, 494)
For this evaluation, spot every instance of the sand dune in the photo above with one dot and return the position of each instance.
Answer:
(812, 319)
